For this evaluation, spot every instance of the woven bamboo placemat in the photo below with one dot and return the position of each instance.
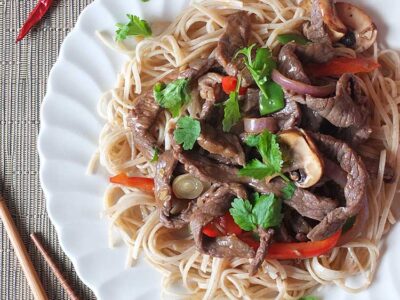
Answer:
(24, 69)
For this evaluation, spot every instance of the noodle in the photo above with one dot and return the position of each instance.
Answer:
(193, 35)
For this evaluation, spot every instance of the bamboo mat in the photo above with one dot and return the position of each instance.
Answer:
(23, 74)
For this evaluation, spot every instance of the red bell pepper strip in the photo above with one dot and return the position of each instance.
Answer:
(285, 251)
(341, 65)
(34, 17)
(222, 226)
(142, 183)
(229, 84)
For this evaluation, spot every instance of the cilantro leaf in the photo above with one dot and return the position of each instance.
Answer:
(135, 26)
(156, 155)
(269, 149)
(288, 191)
(308, 298)
(172, 96)
(291, 37)
(241, 212)
(256, 169)
(272, 96)
(187, 131)
(232, 110)
(267, 210)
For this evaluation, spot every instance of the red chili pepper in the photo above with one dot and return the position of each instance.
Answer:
(142, 183)
(222, 226)
(229, 84)
(284, 251)
(34, 17)
(341, 65)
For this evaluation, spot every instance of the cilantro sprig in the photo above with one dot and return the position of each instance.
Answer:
(135, 27)
(231, 109)
(272, 97)
(267, 145)
(265, 212)
(187, 131)
(172, 96)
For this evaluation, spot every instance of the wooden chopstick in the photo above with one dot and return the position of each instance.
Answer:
(21, 252)
(54, 267)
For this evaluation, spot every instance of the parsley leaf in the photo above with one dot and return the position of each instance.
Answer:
(241, 212)
(156, 154)
(308, 298)
(172, 96)
(256, 169)
(288, 191)
(266, 212)
(187, 131)
(269, 149)
(135, 26)
(272, 96)
(232, 110)
(291, 37)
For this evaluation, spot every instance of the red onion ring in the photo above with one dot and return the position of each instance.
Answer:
(258, 125)
(302, 88)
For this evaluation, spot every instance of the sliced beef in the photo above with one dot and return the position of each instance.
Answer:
(315, 31)
(250, 103)
(355, 191)
(349, 109)
(206, 169)
(298, 225)
(310, 205)
(163, 192)
(311, 120)
(290, 65)
(222, 144)
(214, 203)
(235, 37)
(290, 116)
(283, 235)
(266, 236)
(318, 53)
(198, 68)
(142, 118)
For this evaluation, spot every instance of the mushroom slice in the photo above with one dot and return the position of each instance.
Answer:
(305, 163)
(334, 24)
(359, 22)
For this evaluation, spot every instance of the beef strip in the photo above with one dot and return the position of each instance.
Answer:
(310, 205)
(221, 144)
(348, 109)
(235, 37)
(210, 89)
(355, 191)
(315, 31)
(290, 116)
(143, 116)
(198, 68)
(250, 103)
(318, 53)
(290, 65)
(206, 169)
(282, 234)
(163, 192)
(298, 224)
(214, 203)
(266, 236)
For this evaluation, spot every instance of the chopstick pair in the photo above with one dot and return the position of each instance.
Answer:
(25, 262)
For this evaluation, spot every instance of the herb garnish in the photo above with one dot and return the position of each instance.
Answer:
(187, 131)
(231, 109)
(172, 96)
(261, 67)
(135, 27)
(266, 212)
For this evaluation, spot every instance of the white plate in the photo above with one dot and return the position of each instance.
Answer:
(68, 138)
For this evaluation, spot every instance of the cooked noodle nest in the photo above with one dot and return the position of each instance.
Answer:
(192, 35)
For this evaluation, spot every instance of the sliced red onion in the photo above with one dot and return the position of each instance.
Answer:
(258, 125)
(302, 88)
